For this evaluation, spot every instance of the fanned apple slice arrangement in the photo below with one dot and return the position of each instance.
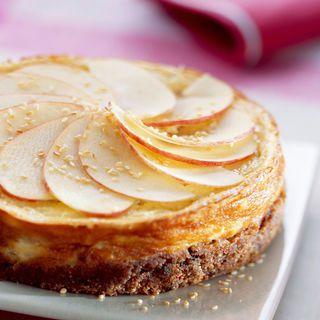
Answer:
(106, 135)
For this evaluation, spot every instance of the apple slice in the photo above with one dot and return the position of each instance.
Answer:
(18, 82)
(21, 160)
(208, 86)
(134, 89)
(191, 110)
(216, 155)
(75, 77)
(21, 118)
(109, 159)
(12, 100)
(68, 181)
(205, 99)
(234, 126)
(206, 176)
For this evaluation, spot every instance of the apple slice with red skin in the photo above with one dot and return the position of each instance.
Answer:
(68, 181)
(233, 127)
(134, 89)
(18, 119)
(205, 99)
(216, 155)
(217, 177)
(21, 160)
(110, 160)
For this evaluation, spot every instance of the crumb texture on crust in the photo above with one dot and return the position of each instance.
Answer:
(152, 275)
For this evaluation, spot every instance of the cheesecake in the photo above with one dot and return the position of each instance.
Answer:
(129, 177)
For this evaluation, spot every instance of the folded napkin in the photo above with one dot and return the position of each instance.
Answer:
(248, 30)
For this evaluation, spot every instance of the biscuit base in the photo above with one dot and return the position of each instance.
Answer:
(154, 274)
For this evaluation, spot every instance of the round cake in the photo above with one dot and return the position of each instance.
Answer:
(122, 177)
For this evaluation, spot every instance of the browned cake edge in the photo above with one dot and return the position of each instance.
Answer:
(153, 274)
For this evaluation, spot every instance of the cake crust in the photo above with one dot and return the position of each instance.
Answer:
(154, 274)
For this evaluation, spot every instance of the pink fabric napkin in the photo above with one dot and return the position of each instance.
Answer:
(248, 30)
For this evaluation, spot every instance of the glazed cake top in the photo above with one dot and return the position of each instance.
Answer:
(118, 144)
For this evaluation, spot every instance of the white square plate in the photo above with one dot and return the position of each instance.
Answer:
(255, 299)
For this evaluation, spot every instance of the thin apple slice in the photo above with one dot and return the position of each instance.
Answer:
(219, 155)
(234, 126)
(134, 89)
(208, 86)
(21, 118)
(17, 82)
(191, 110)
(205, 176)
(68, 181)
(75, 77)
(12, 100)
(216, 155)
(205, 99)
(109, 159)
(21, 160)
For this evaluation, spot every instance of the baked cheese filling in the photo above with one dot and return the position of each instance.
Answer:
(122, 146)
